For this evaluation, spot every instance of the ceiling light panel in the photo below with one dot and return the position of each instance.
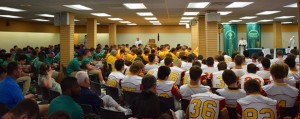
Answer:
(286, 22)
(150, 18)
(144, 13)
(187, 18)
(10, 16)
(132, 24)
(78, 7)
(251, 23)
(10, 9)
(184, 21)
(40, 19)
(267, 12)
(76, 20)
(238, 4)
(235, 20)
(248, 17)
(292, 5)
(265, 20)
(135, 5)
(125, 22)
(225, 23)
(190, 13)
(284, 17)
(198, 4)
(224, 12)
(101, 14)
(154, 21)
(45, 15)
(115, 19)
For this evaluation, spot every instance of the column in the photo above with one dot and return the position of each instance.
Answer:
(67, 41)
(212, 42)
(277, 34)
(112, 34)
(202, 36)
(195, 35)
(91, 32)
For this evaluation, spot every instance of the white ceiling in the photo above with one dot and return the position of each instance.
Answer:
(168, 12)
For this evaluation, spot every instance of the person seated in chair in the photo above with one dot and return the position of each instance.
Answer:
(25, 109)
(74, 65)
(45, 79)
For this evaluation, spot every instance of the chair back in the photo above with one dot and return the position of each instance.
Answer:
(288, 112)
(86, 108)
(3, 109)
(45, 93)
(169, 101)
(232, 113)
(96, 87)
(109, 114)
(113, 92)
(130, 97)
(184, 104)
(94, 78)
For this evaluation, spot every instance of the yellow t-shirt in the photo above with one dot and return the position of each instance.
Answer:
(145, 57)
(111, 60)
(173, 56)
(161, 54)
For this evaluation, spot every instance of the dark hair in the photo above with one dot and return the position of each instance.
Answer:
(153, 51)
(195, 73)
(204, 61)
(151, 57)
(196, 63)
(11, 67)
(148, 82)
(294, 52)
(22, 57)
(168, 61)
(172, 50)
(200, 57)
(246, 53)
(238, 59)
(7, 55)
(146, 51)
(254, 56)
(86, 51)
(260, 54)
(26, 106)
(265, 62)
(229, 77)
(290, 60)
(147, 105)
(43, 69)
(221, 58)
(222, 65)
(191, 57)
(92, 49)
(68, 83)
(60, 115)
(279, 70)
(163, 72)
(119, 64)
(251, 68)
(279, 53)
(252, 86)
(269, 56)
(184, 58)
(210, 61)
(2, 70)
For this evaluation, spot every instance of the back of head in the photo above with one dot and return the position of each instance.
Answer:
(177, 62)
(260, 54)
(265, 62)
(251, 68)
(22, 57)
(26, 107)
(119, 64)
(113, 52)
(148, 82)
(11, 67)
(210, 61)
(7, 55)
(294, 52)
(2, 70)
(68, 83)
(279, 70)
(269, 56)
(279, 53)
(229, 77)
(222, 65)
(252, 86)
(238, 59)
(195, 73)
(221, 58)
(246, 53)
(44, 69)
(81, 76)
(86, 51)
(168, 61)
(163, 72)
(136, 67)
(151, 57)
(184, 58)
(290, 60)
(200, 57)
(254, 56)
(196, 63)
(60, 115)
(190, 57)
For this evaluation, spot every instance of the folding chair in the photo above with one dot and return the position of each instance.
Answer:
(109, 114)
(96, 87)
(130, 97)
(86, 108)
(169, 101)
(113, 92)
(232, 112)
(288, 112)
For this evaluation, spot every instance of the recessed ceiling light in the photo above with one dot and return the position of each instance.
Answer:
(224, 12)
(286, 22)
(265, 20)
(292, 5)
(76, 20)
(187, 18)
(238, 4)
(144, 13)
(125, 22)
(251, 23)
(10, 9)
(115, 19)
(45, 15)
(132, 24)
(184, 21)
(197, 4)
(284, 17)
(101, 14)
(235, 20)
(190, 13)
(225, 23)
(248, 17)
(267, 12)
(78, 7)
(10, 16)
(156, 23)
(135, 5)
(40, 19)
(150, 18)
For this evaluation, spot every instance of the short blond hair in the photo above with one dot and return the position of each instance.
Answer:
(136, 67)
(177, 62)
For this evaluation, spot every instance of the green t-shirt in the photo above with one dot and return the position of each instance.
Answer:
(5, 63)
(37, 63)
(74, 65)
(49, 60)
(85, 61)
(29, 58)
(57, 57)
(67, 104)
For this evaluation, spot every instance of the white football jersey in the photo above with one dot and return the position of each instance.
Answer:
(175, 75)
(186, 78)
(231, 96)
(257, 107)
(264, 74)
(288, 80)
(114, 80)
(285, 94)
(239, 72)
(210, 70)
(217, 80)
(188, 90)
(132, 83)
(295, 74)
(202, 102)
(186, 66)
(249, 76)
(230, 65)
(203, 66)
(227, 58)
(162, 63)
(164, 88)
(248, 60)
(260, 67)
(216, 64)
(277, 61)
(126, 69)
(153, 72)
(148, 67)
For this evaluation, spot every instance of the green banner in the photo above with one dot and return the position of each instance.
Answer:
(253, 36)
(230, 38)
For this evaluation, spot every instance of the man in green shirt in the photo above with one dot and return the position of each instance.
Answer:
(8, 59)
(91, 69)
(65, 102)
(50, 58)
(74, 65)
(31, 57)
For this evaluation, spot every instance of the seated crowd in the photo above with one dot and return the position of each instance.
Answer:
(148, 82)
